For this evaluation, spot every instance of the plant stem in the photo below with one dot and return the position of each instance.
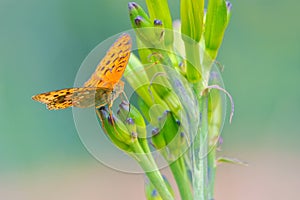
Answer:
(180, 174)
(147, 163)
(200, 146)
(211, 172)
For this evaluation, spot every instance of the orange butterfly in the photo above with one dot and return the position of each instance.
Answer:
(102, 88)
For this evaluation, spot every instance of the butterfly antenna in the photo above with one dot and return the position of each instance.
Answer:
(111, 114)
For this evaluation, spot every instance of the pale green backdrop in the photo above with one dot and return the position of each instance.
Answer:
(42, 44)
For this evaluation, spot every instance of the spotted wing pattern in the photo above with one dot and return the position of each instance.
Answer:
(77, 97)
(111, 68)
(102, 88)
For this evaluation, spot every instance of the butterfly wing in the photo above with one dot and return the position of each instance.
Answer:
(111, 68)
(77, 97)
(97, 91)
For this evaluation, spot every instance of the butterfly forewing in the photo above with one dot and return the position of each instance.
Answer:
(111, 68)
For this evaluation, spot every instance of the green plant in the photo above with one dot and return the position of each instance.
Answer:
(178, 93)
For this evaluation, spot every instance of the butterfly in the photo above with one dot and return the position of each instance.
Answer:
(103, 87)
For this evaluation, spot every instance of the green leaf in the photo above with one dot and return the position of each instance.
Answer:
(231, 161)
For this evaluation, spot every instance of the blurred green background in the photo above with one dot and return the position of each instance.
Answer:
(42, 44)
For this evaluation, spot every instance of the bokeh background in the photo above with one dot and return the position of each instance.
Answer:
(42, 44)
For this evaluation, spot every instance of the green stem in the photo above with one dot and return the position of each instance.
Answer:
(158, 182)
(215, 113)
(147, 163)
(180, 174)
(200, 147)
(212, 172)
(194, 73)
(193, 66)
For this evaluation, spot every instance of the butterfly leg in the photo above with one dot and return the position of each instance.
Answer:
(111, 117)
(111, 114)
(98, 110)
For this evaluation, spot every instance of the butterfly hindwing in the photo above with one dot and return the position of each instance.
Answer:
(77, 97)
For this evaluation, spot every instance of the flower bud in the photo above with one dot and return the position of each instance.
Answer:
(115, 128)
(191, 14)
(157, 139)
(168, 135)
(137, 77)
(148, 31)
(159, 9)
(169, 97)
(136, 10)
(134, 120)
(217, 18)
